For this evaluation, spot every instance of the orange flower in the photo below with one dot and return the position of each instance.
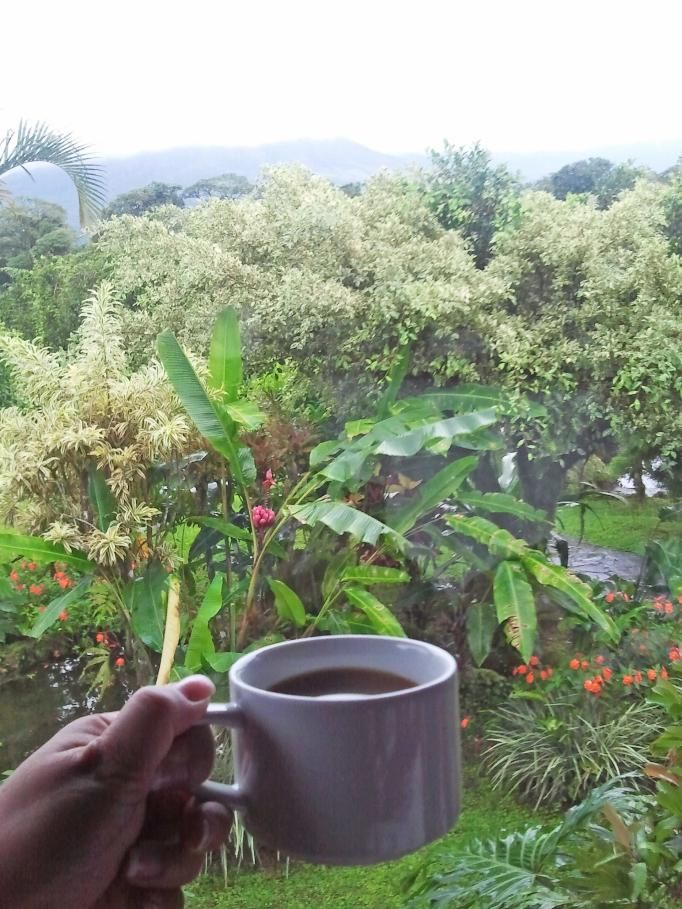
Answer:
(463, 723)
(607, 673)
(64, 582)
(574, 664)
(19, 586)
(638, 678)
(588, 684)
(121, 662)
(627, 680)
(530, 678)
(99, 637)
(63, 615)
(31, 566)
(544, 675)
(673, 654)
(651, 675)
(13, 575)
(522, 669)
(668, 608)
(584, 665)
(599, 679)
(664, 673)
(534, 661)
(610, 597)
(599, 660)
(36, 589)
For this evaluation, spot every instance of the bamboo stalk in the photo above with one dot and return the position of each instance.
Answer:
(171, 632)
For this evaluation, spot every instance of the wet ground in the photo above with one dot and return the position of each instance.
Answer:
(601, 563)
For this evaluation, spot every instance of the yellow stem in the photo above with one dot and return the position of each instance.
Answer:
(171, 633)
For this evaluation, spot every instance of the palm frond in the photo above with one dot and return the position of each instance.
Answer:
(33, 144)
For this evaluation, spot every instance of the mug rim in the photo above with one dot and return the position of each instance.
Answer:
(447, 673)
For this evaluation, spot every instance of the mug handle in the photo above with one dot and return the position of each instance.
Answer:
(232, 797)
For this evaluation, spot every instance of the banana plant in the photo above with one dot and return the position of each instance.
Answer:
(519, 574)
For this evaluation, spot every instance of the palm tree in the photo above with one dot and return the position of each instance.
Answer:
(39, 144)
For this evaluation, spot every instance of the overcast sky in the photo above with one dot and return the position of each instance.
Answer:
(397, 76)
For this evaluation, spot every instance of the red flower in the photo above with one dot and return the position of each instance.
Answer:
(31, 566)
(119, 662)
(544, 675)
(13, 575)
(607, 673)
(269, 480)
(522, 669)
(584, 665)
(610, 597)
(627, 680)
(651, 675)
(64, 582)
(530, 678)
(534, 661)
(36, 589)
(550, 672)
(638, 678)
(599, 660)
(664, 673)
(574, 664)
(668, 607)
(588, 684)
(464, 722)
(674, 654)
(99, 637)
(262, 517)
(63, 615)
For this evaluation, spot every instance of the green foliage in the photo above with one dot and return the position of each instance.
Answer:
(39, 144)
(468, 194)
(138, 201)
(593, 176)
(30, 229)
(538, 868)
(226, 186)
(555, 751)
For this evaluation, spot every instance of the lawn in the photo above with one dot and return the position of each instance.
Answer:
(624, 525)
(485, 814)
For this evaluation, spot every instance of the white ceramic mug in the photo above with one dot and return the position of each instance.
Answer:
(348, 779)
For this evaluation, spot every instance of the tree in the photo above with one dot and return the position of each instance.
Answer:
(139, 201)
(594, 176)
(226, 186)
(30, 230)
(39, 144)
(468, 194)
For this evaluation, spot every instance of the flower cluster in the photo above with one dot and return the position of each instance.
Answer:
(534, 671)
(665, 606)
(601, 675)
(110, 641)
(262, 516)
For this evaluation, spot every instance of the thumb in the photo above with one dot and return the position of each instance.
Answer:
(140, 736)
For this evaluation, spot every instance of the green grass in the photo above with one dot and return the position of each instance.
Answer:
(617, 525)
(485, 815)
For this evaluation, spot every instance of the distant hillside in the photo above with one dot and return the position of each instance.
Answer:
(340, 160)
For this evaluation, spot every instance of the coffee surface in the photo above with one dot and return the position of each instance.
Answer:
(342, 681)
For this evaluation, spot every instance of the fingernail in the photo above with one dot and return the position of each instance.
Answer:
(196, 688)
(143, 865)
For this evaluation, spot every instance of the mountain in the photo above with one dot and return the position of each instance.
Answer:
(340, 160)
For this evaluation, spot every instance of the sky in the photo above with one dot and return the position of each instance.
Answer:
(397, 76)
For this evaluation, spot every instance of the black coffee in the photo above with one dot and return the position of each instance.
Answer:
(342, 680)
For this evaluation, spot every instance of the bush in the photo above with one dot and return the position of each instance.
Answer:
(555, 752)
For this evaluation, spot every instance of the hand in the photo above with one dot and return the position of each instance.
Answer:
(102, 817)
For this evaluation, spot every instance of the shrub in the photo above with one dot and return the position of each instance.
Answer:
(555, 752)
